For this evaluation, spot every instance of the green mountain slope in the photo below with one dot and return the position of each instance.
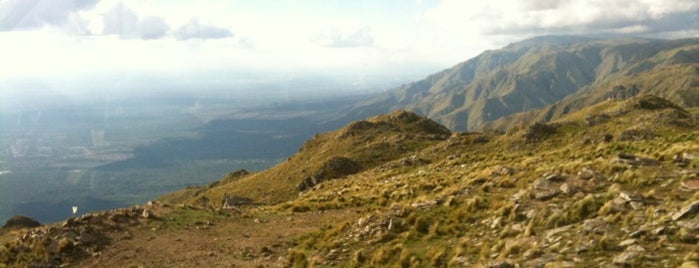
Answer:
(542, 71)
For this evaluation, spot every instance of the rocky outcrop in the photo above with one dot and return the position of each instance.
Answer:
(18, 222)
(335, 167)
(62, 243)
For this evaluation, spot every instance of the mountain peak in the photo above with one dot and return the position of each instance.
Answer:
(553, 40)
(543, 71)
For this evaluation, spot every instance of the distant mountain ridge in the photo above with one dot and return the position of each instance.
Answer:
(542, 71)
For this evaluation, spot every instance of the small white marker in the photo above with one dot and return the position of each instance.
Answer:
(75, 209)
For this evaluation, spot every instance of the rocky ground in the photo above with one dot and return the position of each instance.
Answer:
(615, 185)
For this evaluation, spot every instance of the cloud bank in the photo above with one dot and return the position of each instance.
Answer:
(120, 20)
(32, 14)
(507, 17)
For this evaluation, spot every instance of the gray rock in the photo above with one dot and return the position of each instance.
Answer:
(543, 190)
(627, 258)
(631, 196)
(587, 174)
(503, 171)
(567, 189)
(596, 226)
(627, 242)
(500, 264)
(544, 195)
(688, 210)
(692, 224)
(557, 177)
(147, 214)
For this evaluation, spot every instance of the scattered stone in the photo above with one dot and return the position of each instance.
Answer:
(631, 196)
(587, 174)
(502, 171)
(147, 214)
(683, 160)
(638, 233)
(460, 261)
(567, 189)
(690, 156)
(556, 177)
(517, 197)
(627, 258)
(692, 224)
(500, 264)
(232, 201)
(635, 200)
(690, 264)
(544, 195)
(690, 209)
(658, 231)
(691, 185)
(595, 226)
(552, 235)
(543, 190)
(627, 242)
(633, 160)
(424, 204)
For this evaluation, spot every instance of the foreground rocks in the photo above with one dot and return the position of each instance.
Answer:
(58, 245)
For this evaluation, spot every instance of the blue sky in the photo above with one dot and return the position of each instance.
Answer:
(75, 38)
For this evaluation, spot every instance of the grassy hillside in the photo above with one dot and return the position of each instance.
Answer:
(614, 184)
(602, 186)
(359, 146)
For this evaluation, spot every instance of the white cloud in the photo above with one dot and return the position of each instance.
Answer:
(337, 38)
(34, 14)
(195, 30)
(59, 36)
(534, 17)
(125, 23)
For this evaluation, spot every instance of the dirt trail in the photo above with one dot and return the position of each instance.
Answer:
(235, 241)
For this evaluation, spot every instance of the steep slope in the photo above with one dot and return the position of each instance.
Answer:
(614, 184)
(673, 75)
(359, 146)
(532, 74)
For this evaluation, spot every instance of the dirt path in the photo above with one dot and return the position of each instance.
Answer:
(261, 240)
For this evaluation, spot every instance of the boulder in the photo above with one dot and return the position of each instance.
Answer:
(543, 190)
(230, 201)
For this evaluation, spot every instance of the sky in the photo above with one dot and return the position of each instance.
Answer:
(72, 39)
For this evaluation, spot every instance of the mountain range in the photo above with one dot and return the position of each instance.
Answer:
(552, 74)
(597, 166)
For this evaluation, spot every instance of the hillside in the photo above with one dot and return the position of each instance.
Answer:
(610, 185)
(357, 147)
(542, 71)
